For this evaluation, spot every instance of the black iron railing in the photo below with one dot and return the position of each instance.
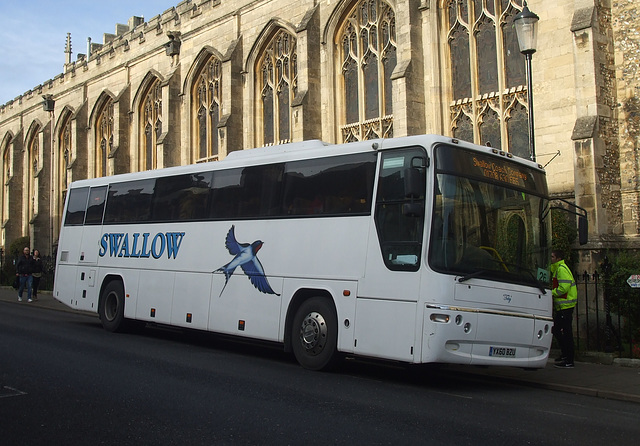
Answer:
(602, 324)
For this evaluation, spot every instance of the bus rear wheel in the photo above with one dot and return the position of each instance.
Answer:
(111, 307)
(314, 334)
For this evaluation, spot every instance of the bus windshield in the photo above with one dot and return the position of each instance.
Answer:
(491, 219)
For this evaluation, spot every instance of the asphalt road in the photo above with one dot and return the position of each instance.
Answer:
(64, 380)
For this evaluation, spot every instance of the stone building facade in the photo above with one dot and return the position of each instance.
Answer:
(208, 77)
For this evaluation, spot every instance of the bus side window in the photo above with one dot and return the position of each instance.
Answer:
(76, 207)
(181, 197)
(334, 186)
(194, 200)
(95, 206)
(129, 202)
(225, 193)
(400, 208)
(262, 191)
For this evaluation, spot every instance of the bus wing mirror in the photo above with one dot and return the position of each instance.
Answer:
(583, 230)
(581, 213)
(414, 183)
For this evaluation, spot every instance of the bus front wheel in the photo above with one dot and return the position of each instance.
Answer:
(314, 334)
(112, 306)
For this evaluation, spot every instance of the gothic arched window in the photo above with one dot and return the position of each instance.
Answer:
(207, 104)
(366, 43)
(6, 175)
(150, 125)
(104, 137)
(33, 150)
(277, 72)
(487, 74)
(64, 158)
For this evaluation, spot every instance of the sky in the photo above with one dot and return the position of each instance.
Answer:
(33, 35)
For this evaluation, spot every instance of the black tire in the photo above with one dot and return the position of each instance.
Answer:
(314, 334)
(111, 308)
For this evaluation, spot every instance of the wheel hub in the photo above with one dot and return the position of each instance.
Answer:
(313, 333)
(111, 307)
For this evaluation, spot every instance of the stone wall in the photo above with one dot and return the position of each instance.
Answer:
(626, 28)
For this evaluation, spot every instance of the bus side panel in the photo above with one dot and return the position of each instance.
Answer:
(313, 247)
(90, 245)
(385, 329)
(69, 245)
(191, 298)
(131, 281)
(67, 261)
(239, 309)
(380, 282)
(154, 297)
(86, 292)
(65, 283)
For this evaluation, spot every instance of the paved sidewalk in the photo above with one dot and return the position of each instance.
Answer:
(45, 300)
(619, 381)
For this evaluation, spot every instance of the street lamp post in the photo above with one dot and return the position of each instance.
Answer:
(49, 105)
(526, 24)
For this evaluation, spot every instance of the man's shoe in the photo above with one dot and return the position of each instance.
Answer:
(19, 299)
(564, 365)
(560, 359)
(29, 300)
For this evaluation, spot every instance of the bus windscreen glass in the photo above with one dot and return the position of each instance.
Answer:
(491, 218)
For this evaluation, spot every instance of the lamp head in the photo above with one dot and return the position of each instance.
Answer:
(526, 24)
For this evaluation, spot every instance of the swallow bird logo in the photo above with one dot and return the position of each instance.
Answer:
(245, 257)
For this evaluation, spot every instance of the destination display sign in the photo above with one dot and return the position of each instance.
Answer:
(488, 167)
(500, 171)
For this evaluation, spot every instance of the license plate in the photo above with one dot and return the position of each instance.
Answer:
(504, 352)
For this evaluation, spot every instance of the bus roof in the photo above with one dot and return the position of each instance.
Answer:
(277, 149)
(291, 151)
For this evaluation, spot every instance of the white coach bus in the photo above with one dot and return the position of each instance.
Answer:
(417, 249)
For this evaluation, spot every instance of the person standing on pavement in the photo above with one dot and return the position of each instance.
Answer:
(24, 268)
(36, 273)
(565, 297)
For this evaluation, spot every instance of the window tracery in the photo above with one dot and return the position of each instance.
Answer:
(104, 137)
(64, 159)
(277, 71)
(151, 125)
(366, 44)
(487, 74)
(33, 152)
(6, 166)
(207, 104)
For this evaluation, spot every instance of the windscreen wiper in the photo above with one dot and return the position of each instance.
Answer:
(472, 275)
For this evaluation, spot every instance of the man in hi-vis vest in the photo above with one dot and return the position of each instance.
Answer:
(565, 297)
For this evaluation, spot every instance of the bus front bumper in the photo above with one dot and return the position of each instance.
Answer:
(485, 337)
